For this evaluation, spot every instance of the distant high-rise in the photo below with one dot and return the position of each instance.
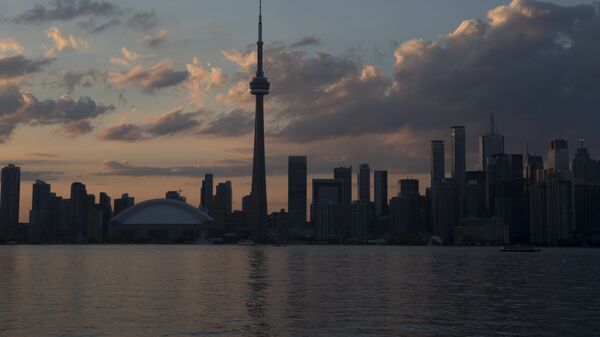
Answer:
(79, 203)
(534, 165)
(297, 191)
(408, 187)
(39, 216)
(584, 167)
(438, 168)
(551, 210)
(107, 212)
(489, 144)
(259, 87)
(326, 203)
(364, 183)
(345, 174)
(558, 157)
(474, 204)
(9, 202)
(459, 161)
(223, 204)
(175, 195)
(123, 203)
(445, 209)
(206, 194)
(380, 190)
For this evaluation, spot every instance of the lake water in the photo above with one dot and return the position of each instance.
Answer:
(297, 291)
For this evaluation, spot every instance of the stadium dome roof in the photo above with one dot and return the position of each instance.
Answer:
(162, 212)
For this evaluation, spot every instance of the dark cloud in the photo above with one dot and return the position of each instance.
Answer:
(65, 10)
(234, 123)
(307, 41)
(18, 107)
(43, 155)
(143, 20)
(73, 79)
(94, 26)
(16, 66)
(162, 75)
(175, 122)
(123, 132)
(41, 175)
(122, 168)
(96, 15)
(533, 64)
(76, 128)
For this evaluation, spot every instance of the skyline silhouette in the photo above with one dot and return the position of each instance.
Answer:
(149, 95)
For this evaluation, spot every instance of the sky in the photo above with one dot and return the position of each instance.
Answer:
(146, 97)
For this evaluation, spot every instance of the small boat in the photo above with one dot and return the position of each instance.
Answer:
(246, 243)
(520, 249)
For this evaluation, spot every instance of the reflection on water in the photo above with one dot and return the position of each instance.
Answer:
(296, 291)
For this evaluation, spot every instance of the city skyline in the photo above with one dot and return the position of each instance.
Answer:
(124, 135)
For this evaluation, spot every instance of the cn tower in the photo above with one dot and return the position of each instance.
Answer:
(259, 87)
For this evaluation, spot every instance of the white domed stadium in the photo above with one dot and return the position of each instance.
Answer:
(160, 220)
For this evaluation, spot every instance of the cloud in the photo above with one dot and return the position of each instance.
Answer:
(64, 10)
(128, 58)
(73, 79)
(93, 26)
(174, 122)
(41, 175)
(143, 20)
(62, 42)
(307, 41)
(124, 168)
(162, 75)
(203, 79)
(232, 124)
(15, 67)
(530, 63)
(17, 107)
(154, 40)
(123, 132)
(76, 128)
(8, 46)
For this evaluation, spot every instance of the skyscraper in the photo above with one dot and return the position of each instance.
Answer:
(489, 144)
(438, 169)
(9, 202)
(259, 87)
(206, 194)
(364, 184)
(223, 204)
(558, 157)
(123, 203)
(459, 161)
(79, 202)
(380, 182)
(39, 216)
(297, 180)
(345, 174)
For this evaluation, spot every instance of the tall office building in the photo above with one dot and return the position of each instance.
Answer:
(408, 187)
(474, 205)
(207, 195)
(79, 202)
(551, 210)
(584, 167)
(9, 202)
(345, 174)
(223, 204)
(489, 144)
(39, 215)
(364, 183)
(438, 168)
(123, 203)
(587, 209)
(105, 205)
(534, 165)
(259, 87)
(297, 191)
(325, 207)
(459, 160)
(380, 190)
(558, 156)
(445, 209)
